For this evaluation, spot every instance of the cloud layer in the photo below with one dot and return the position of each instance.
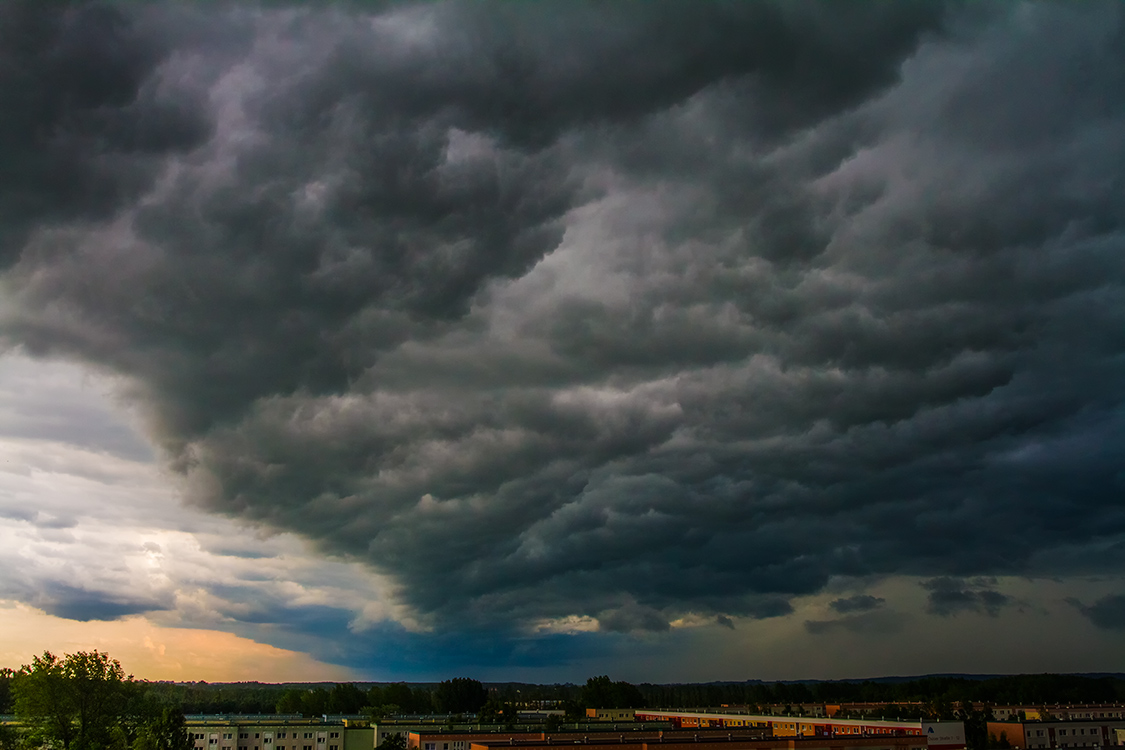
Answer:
(556, 311)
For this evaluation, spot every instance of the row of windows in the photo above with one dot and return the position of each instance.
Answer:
(268, 740)
(294, 747)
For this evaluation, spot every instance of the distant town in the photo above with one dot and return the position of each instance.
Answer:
(85, 701)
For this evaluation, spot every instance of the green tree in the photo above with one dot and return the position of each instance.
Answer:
(43, 702)
(602, 692)
(345, 698)
(6, 676)
(393, 742)
(408, 701)
(9, 737)
(289, 702)
(314, 702)
(460, 695)
(497, 711)
(976, 725)
(386, 710)
(74, 702)
(165, 731)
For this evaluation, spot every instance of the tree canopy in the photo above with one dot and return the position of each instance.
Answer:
(601, 692)
(74, 701)
(460, 695)
(85, 701)
(165, 731)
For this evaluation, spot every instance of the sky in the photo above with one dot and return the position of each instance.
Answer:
(674, 341)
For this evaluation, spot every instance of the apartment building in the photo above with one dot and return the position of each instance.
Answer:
(783, 726)
(609, 714)
(1049, 735)
(261, 733)
(464, 740)
(1067, 712)
(733, 743)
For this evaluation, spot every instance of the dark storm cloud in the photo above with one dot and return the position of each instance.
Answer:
(952, 596)
(1107, 612)
(84, 117)
(857, 603)
(76, 603)
(633, 618)
(625, 313)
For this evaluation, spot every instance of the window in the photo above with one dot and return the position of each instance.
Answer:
(320, 740)
(212, 741)
(308, 735)
(333, 735)
(267, 740)
(256, 735)
(281, 735)
(228, 736)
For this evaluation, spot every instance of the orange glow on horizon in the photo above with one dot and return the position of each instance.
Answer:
(151, 652)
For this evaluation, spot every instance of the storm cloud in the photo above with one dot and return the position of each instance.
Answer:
(618, 312)
(1107, 612)
(951, 596)
(858, 603)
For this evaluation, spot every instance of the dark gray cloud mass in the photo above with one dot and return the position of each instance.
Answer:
(76, 603)
(858, 603)
(950, 596)
(80, 602)
(623, 311)
(1107, 612)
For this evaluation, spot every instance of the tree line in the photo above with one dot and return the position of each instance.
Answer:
(928, 696)
(1007, 690)
(459, 695)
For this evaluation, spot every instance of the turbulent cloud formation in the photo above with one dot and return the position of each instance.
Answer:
(861, 613)
(1107, 612)
(616, 314)
(949, 596)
